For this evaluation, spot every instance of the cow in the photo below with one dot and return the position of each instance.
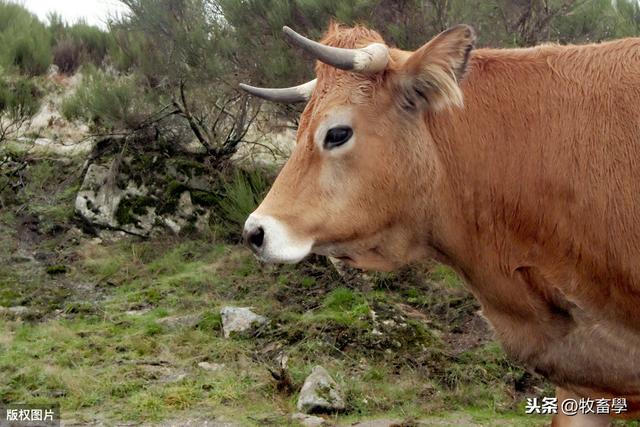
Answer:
(519, 168)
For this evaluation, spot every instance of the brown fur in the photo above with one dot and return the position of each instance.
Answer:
(531, 190)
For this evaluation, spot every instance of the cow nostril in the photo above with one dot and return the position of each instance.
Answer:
(256, 237)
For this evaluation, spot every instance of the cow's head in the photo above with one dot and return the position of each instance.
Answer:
(358, 185)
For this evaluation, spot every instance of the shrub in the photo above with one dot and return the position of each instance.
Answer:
(19, 101)
(94, 42)
(107, 101)
(80, 43)
(25, 43)
(67, 55)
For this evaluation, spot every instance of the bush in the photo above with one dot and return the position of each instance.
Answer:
(94, 42)
(25, 43)
(19, 101)
(108, 102)
(67, 55)
(80, 43)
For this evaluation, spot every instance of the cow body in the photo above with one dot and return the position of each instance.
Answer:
(540, 197)
(520, 168)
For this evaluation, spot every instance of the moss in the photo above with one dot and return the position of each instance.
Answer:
(324, 392)
(189, 167)
(174, 189)
(146, 161)
(130, 207)
(171, 196)
(203, 198)
(308, 282)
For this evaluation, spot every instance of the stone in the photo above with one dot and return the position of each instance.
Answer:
(113, 198)
(213, 367)
(97, 201)
(309, 420)
(16, 312)
(320, 393)
(140, 312)
(239, 320)
(178, 322)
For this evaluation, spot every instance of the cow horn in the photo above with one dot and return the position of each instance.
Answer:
(293, 94)
(370, 59)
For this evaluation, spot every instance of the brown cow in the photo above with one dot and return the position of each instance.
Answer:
(520, 168)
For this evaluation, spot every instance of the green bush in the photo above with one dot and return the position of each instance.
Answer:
(107, 101)
(19, 101)
(18, 98)
(25, 42)
(94, 42)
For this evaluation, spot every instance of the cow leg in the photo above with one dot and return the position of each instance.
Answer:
(578, 420)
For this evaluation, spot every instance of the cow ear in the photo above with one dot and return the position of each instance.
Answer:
(429, 77)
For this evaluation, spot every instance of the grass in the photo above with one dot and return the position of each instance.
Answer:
(107, 351)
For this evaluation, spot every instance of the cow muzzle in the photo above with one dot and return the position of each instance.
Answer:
(273, 241)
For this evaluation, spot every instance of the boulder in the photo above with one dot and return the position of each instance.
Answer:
(145, 196)
(320, 393)
(239, 320)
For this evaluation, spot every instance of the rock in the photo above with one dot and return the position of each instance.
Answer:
(273, 150)
(179, 322)
(192, 147)
(140, 312)
(145, 195)
(16, 312)
(320, 393)
(53, 70)
(213, 367)
(309, 420)
(173, 378)
(383, 422)
(189, 420)
(104, 204)
(97, 201)
(185, 211)
(239, 320)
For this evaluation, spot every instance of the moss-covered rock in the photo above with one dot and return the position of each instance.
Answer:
(148, 193)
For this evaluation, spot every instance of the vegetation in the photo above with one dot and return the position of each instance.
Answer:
(19, 101)
(109, 102)
(25, 41)
(77, 44)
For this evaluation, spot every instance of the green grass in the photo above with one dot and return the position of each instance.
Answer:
(114, 356)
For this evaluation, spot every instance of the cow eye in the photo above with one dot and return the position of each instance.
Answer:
(337, 136)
